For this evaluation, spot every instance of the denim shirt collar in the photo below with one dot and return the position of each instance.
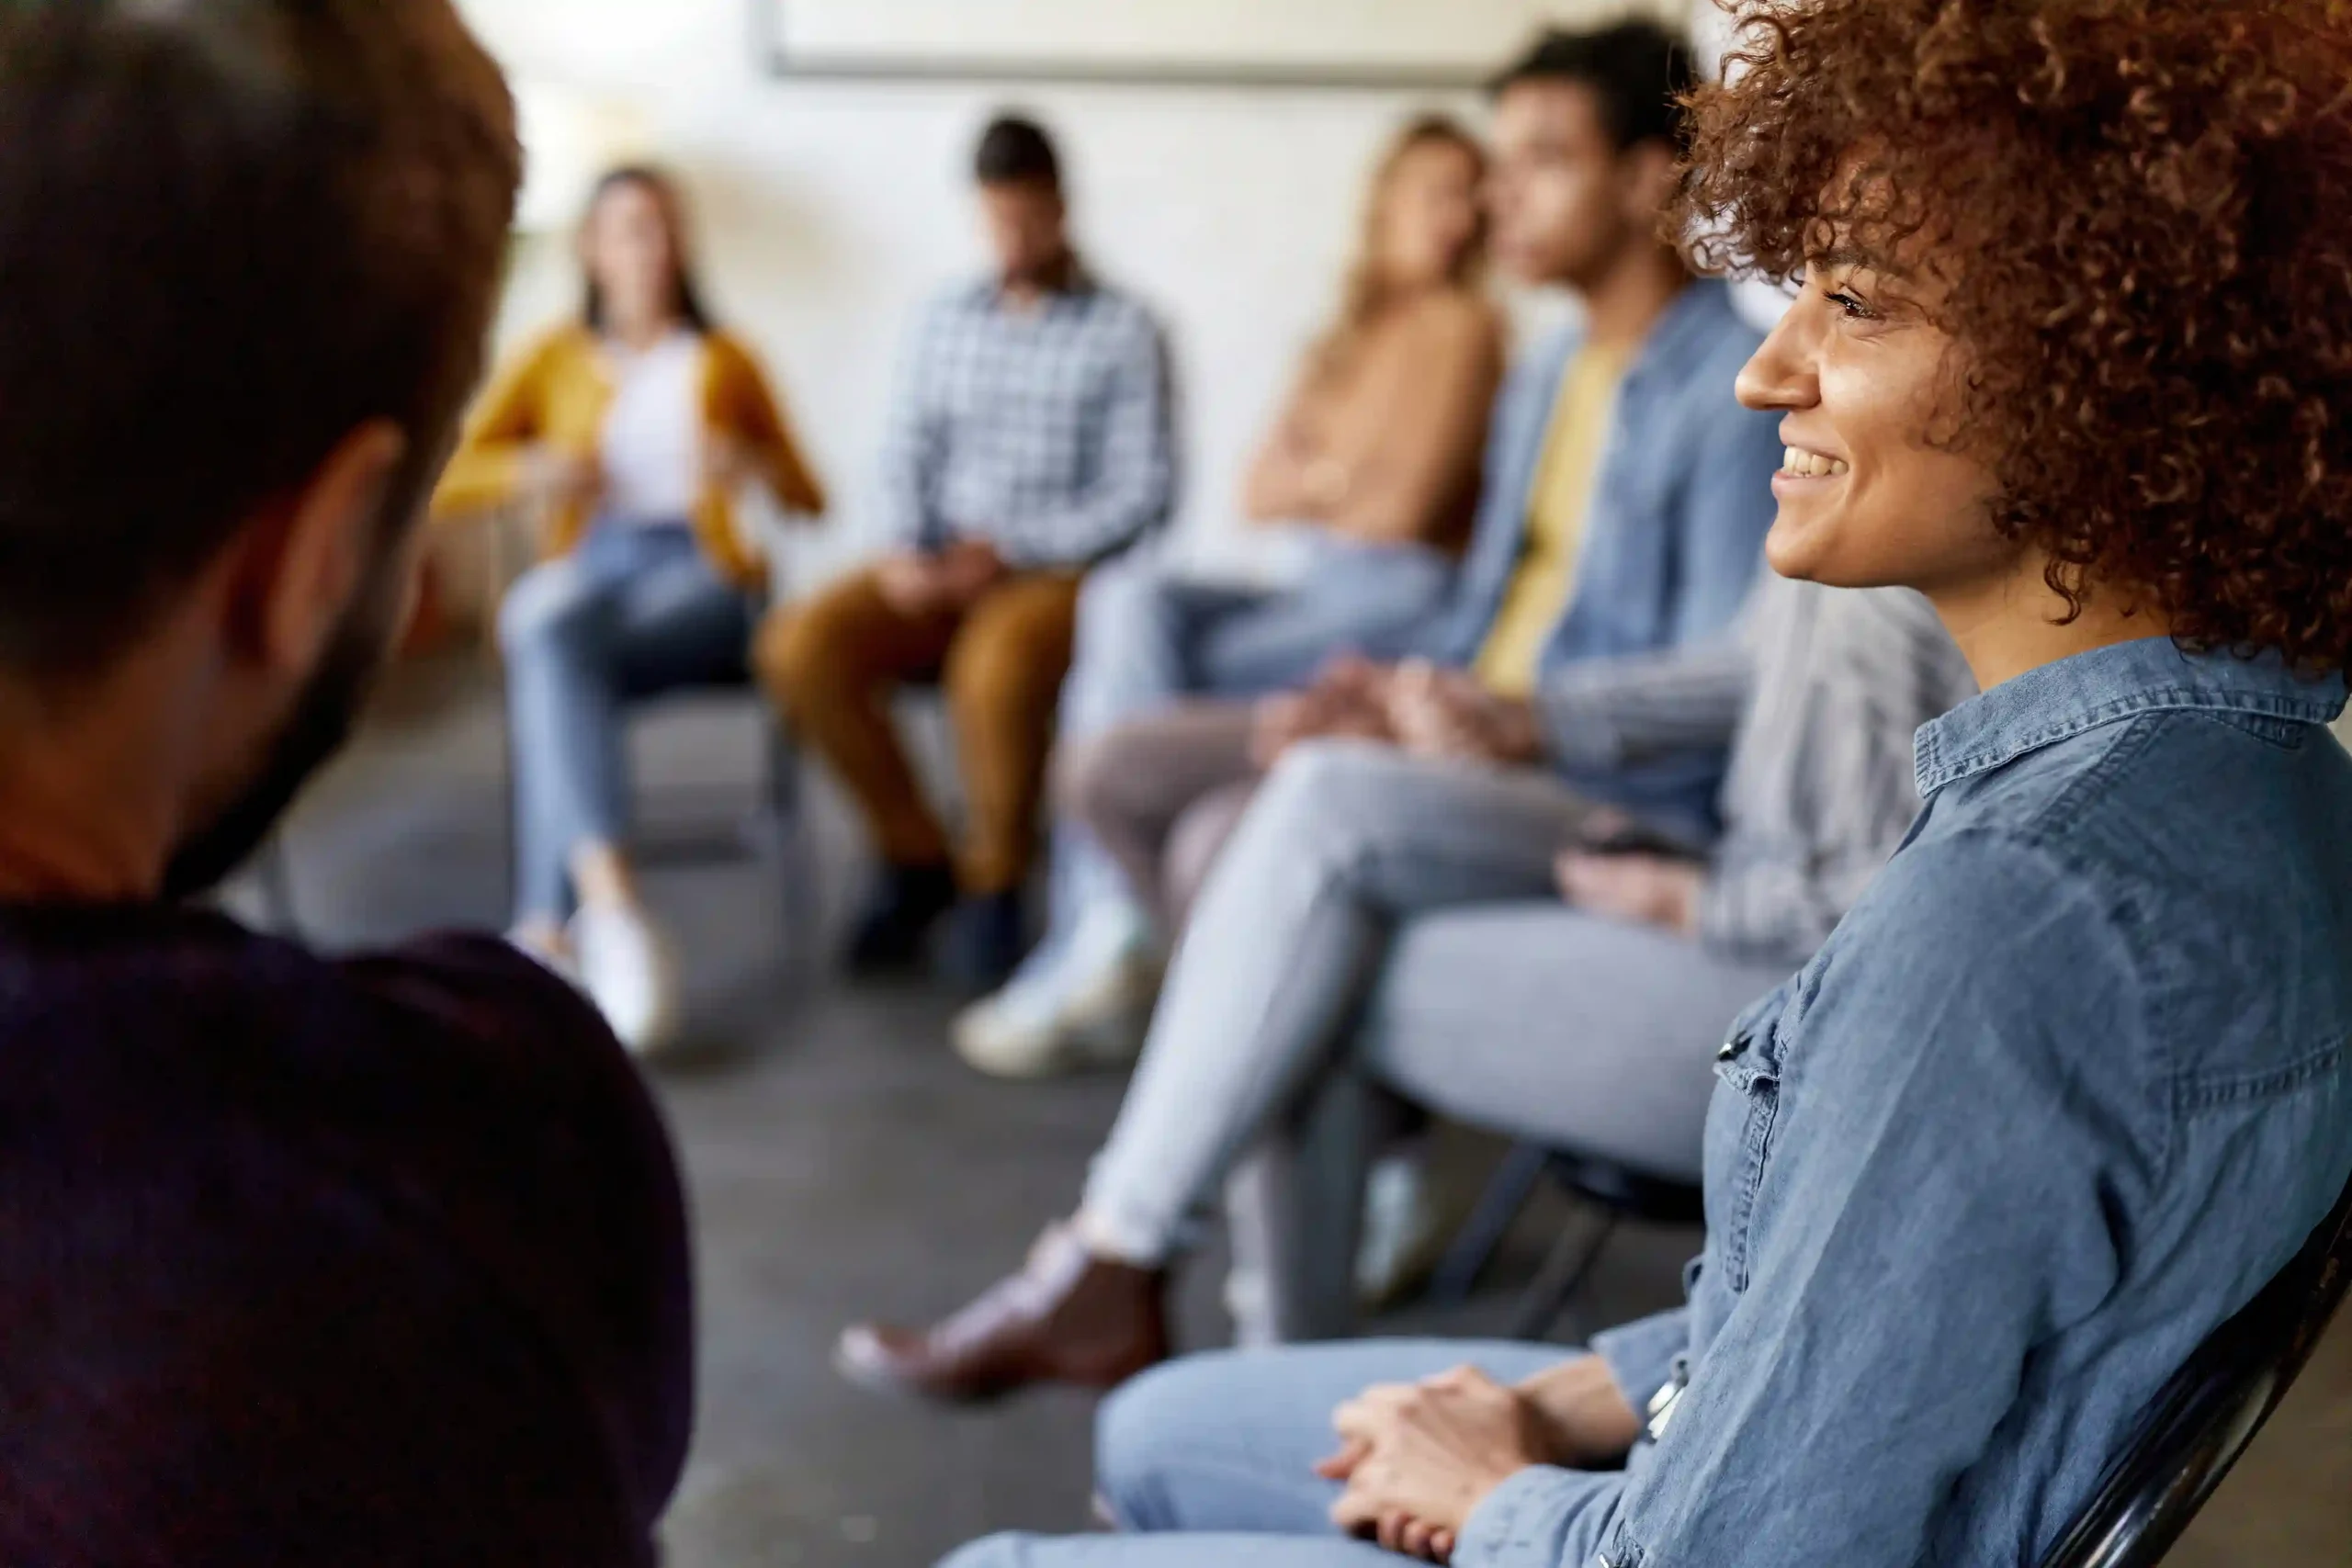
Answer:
(2058, 701)
(1690, 329)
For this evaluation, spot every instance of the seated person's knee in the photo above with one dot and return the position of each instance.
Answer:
(993, 1551)
(1338, 781)
(1124, 604)
(1151, 1424)
(795, 653)
(1012, 668)
(546, 605)
(1117, 591)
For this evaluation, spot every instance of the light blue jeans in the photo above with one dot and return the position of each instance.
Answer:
(1381, 923)
(632, 614)
(1147, 635)
(1209, 1460)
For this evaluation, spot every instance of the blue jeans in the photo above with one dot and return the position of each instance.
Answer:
(634, 612)
(1147, 637)
(1210, 1460)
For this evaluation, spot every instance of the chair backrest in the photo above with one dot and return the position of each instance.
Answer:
(2197, 1427)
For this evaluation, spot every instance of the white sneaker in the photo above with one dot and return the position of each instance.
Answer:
(1409, 1218)
(1249, 1302)
(625, 969)
(1074, 1015)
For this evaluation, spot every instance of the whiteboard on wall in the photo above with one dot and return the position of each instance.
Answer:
(1272, 42)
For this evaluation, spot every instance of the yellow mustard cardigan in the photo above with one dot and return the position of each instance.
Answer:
(557, 394)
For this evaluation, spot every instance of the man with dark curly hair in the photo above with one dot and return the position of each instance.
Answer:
(2074, 1079)
(375, 1261)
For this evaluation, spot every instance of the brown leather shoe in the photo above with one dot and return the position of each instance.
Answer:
(1067, 1317)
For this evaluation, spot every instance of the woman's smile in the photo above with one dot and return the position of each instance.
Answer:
(1805, 471)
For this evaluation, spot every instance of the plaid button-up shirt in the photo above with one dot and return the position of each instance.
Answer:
(1048, 432)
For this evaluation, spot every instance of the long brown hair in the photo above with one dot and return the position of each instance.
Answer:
(1370, 291)
(673, 202)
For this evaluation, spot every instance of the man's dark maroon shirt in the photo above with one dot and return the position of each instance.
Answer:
(374, 1261)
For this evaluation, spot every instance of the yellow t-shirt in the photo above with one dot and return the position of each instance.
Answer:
(1541, 585)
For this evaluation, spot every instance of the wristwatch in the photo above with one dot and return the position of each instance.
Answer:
(1667, 1400)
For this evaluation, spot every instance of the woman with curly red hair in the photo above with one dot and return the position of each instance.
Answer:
(2071, 355)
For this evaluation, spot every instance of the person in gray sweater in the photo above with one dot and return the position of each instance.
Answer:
(1418, 918)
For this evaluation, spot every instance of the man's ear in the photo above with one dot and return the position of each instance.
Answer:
(301, 566)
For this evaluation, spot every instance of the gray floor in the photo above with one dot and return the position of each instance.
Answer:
(842, 1163)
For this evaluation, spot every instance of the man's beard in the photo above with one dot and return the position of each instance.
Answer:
(1046, 276)
(314, 731)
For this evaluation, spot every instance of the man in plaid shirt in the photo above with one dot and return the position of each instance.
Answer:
(1033, 438)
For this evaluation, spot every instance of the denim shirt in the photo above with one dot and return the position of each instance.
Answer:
(2066, 1088)
(1674, 532)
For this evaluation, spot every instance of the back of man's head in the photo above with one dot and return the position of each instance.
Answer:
(1637, 71)
(231, 232)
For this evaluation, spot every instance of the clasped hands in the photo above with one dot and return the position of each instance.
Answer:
(1425, 710)
(1417, 1459)
(923, 582)
(1640, 889)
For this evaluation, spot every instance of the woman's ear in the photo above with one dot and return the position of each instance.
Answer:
(303, 562)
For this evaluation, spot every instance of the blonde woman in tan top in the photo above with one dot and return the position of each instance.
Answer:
(1372, 469)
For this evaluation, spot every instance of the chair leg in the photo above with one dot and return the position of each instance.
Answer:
(1507, 1193)
(795, 860)
(1563, 1276)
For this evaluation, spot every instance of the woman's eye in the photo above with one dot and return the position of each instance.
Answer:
(1852, 307)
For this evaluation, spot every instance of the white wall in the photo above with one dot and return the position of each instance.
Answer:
(1448, 40)
(827, 211)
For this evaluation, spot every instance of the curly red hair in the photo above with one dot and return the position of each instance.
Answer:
(2143, 209)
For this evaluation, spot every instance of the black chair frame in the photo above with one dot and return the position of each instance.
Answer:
(1614, 1192)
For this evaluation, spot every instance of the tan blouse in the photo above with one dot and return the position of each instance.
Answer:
(1385, 446)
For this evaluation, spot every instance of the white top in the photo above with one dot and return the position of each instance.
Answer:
(652, 438)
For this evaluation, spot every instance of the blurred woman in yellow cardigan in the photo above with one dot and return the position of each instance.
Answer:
(629, 435)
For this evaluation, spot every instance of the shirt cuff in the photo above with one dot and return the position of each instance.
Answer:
(1541, 1518)
(1018, 558)
(1076, 548)
(1642, 1354)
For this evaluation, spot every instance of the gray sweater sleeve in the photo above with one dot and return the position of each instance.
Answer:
(1823, 789)
(1608, 714)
